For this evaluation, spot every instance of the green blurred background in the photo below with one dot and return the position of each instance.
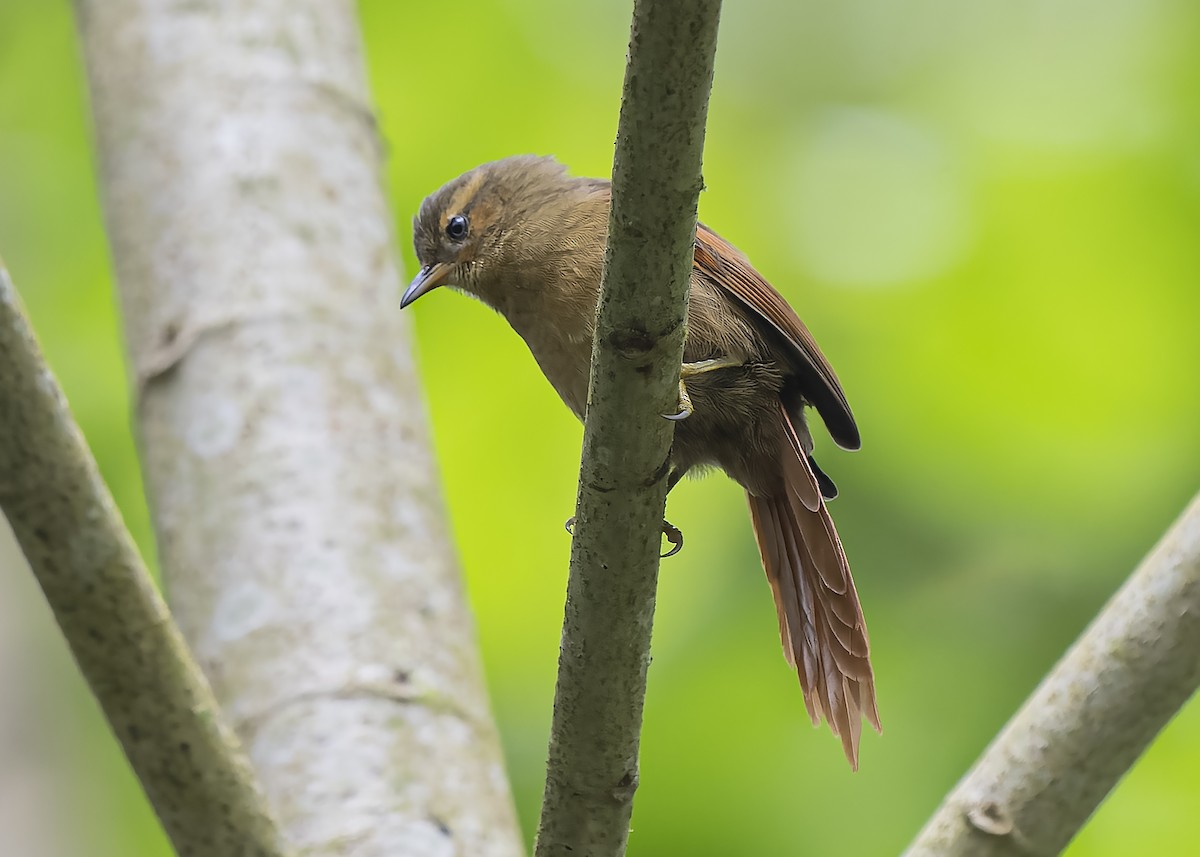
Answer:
(987, 213)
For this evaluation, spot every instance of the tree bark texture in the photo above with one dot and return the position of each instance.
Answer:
(592, 771)
(284, 439)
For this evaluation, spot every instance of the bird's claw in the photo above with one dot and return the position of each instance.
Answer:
(674, 536)
(685, 405)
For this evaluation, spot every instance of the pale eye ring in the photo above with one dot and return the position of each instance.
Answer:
(457, 227)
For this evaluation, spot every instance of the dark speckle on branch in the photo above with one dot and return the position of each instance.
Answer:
(631, 343)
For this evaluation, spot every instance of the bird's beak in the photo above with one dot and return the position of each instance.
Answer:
(430, 278)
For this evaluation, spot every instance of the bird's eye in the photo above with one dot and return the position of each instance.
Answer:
(457, 227)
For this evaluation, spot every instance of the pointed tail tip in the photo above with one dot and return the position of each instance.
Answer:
(821, 623)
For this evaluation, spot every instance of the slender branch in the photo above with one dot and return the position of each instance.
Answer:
(1089, 720)
(592, 769)
(128, 648)
(285, 447)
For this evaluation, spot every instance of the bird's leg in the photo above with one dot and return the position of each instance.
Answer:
(677, 473)
(690, 370)
(673, 533)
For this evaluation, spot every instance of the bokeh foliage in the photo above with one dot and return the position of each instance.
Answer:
(986, 211)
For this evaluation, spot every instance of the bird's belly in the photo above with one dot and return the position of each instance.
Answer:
(735, 425)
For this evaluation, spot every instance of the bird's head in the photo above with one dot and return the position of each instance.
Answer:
(474, 231)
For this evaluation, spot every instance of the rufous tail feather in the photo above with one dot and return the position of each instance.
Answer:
(820, 620)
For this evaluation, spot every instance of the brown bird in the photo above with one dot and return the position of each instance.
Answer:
(528, 240)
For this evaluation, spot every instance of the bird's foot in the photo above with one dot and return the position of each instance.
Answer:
(690, 370)
(673, 533)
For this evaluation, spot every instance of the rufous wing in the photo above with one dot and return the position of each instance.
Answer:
(721, 263)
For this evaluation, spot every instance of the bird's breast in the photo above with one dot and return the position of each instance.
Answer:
(562, 347)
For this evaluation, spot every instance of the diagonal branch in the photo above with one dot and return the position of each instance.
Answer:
(126, 644)
(1089, 720)
(592, 769)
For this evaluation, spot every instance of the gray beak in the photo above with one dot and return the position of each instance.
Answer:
(430, 278)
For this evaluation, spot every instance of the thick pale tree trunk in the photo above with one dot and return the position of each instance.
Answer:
(285, 447)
